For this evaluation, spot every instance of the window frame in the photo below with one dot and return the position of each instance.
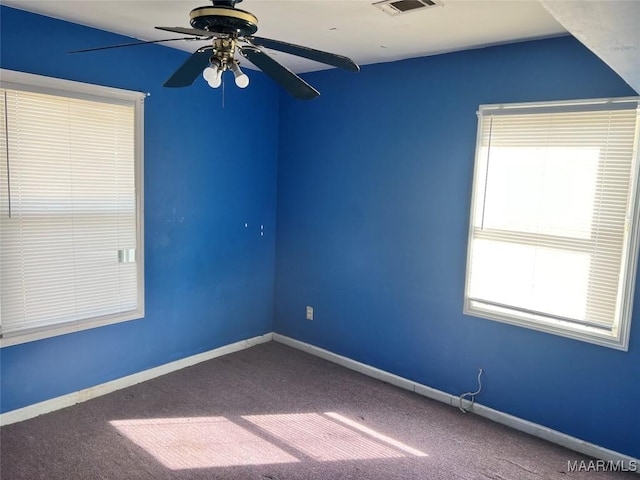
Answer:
(618, 339)
(15, 80)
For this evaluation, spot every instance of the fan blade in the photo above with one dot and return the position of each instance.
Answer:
(188, 31)
(292, 83)
(131, 44)
(305, 52)
(189, 70)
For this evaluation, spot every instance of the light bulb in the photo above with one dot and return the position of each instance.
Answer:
(216, 80)
(242, 80)
(210, 72)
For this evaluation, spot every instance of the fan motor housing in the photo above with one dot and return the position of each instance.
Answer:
(219, 19)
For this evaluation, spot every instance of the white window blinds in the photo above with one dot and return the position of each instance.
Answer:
(68, 211)
(554, 199)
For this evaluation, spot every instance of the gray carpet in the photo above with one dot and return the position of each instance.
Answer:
(273, 413)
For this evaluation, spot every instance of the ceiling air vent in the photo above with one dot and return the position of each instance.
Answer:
(398, 7)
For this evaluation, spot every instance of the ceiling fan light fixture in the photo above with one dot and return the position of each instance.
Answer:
(231, 31)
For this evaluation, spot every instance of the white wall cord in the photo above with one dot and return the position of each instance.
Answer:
(472, 395)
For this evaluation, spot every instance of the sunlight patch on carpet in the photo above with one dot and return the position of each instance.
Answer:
(321, 438)
(378, 436)
(200, 442)
(207, 442)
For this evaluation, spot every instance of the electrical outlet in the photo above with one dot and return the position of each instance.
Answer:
(309, 313)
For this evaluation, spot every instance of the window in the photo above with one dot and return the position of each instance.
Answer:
(554, 218)
(70, 206)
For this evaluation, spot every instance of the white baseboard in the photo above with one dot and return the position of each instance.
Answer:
(70, 399)
(516, 423)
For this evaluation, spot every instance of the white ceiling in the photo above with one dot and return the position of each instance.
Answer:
(357, 29)
(348, 27)
(610, 29)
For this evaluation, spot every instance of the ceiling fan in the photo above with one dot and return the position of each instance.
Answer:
(232, 30)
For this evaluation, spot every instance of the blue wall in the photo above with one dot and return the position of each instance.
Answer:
(374, 186)
(208, 171)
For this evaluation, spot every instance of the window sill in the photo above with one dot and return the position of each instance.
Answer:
(25, 336)
(614, 339)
